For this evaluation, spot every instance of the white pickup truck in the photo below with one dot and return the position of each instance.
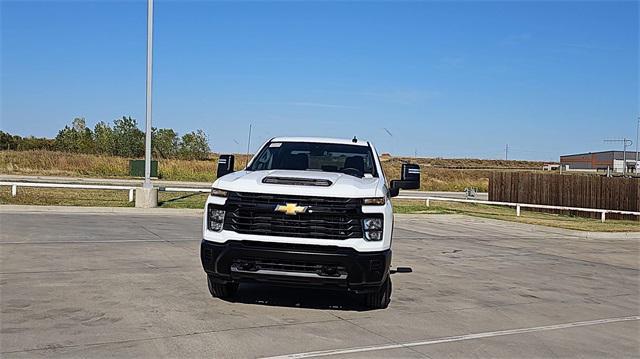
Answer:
(304, 212)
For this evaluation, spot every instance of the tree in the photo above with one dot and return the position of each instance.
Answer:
(104, 139)
(17, 143)
(77, 138)
(164, 142)
(129, 140)
(34, 143)
(124, 139)
(79, 124)
(195, 146)
(86, 142)
(8, 141)
(67, 140)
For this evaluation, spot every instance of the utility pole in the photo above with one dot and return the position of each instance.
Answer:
(506, 152)
(637, 142)
(625, 142)
(147, 149)
(248, 145)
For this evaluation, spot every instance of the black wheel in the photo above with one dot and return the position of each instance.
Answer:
(381, 298)
(222, 291)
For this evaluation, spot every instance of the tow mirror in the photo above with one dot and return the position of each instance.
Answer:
(394, 191)
(411, 175)
(410, 179)
(225, 165)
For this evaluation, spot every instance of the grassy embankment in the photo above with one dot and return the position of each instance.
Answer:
(41, 196)
(437, 174)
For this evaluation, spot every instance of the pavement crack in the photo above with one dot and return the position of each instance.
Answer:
(150, 231)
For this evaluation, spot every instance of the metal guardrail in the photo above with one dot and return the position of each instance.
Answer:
(14, 187)
(518, 206)
(427, 199)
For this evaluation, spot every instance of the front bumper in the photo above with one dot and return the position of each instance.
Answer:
(301, 265)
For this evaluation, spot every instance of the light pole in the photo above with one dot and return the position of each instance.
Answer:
(147, 196)
(147, 142)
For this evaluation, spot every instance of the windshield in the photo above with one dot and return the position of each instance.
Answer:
(353, 160)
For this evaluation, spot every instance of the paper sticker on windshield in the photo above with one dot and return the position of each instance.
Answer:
(275, 144)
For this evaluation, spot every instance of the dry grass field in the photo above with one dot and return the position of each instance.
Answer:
(437, 174)
(72, 164)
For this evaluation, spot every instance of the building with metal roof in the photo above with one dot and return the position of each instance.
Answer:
(603, 160)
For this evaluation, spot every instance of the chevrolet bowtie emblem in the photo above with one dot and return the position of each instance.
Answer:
(291, 209)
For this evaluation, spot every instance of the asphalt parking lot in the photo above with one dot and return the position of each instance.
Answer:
(127, 285)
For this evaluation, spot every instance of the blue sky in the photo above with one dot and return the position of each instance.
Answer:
(447, 79)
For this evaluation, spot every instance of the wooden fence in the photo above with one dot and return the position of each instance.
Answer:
(567, 190)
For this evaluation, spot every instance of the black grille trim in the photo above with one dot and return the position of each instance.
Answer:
(325, 218)
(297, 181)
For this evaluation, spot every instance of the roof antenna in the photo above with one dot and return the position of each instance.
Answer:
(355, 140)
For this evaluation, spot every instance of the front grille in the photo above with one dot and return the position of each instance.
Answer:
(325, 218)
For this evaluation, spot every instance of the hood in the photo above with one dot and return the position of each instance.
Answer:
(342, 185)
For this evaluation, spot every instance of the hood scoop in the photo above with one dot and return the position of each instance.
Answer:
(293, 181)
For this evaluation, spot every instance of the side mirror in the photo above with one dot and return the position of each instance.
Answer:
(410, 179)
(394, 191)
(225, 165)
(411, 176)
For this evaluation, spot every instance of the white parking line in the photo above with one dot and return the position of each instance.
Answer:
(454, 338)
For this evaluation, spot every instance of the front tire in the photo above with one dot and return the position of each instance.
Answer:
(381, 298)
(222, 290)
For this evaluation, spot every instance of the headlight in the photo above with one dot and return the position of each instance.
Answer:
(215, 219)
(372, 224)
(217, 215)
(372, 229)
(377, 201)
(218, 192)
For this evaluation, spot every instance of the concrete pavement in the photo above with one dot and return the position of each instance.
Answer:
(128, 285)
